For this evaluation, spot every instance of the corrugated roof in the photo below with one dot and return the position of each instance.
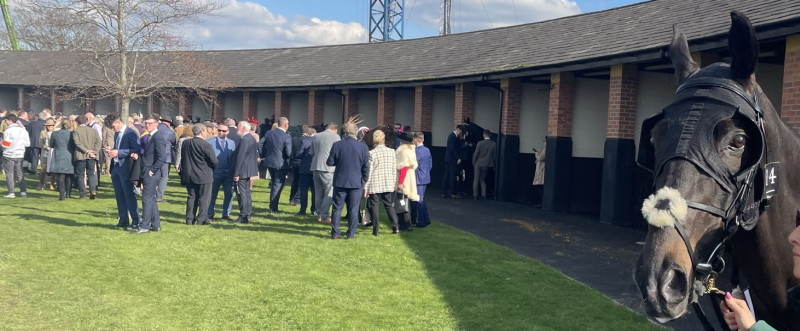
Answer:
(634, 28)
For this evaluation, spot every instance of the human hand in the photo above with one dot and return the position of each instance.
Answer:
(235, 178)
(736, 313)
(150, 173)
(400, 186)
(366, 193)
(458, 161)
(134, 156)
(112, 153)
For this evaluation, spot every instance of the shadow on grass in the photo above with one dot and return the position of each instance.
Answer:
(62, 221)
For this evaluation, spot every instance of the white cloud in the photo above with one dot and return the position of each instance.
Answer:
(242, 25)
(471, 15)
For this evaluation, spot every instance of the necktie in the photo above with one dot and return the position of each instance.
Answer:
(116, 140)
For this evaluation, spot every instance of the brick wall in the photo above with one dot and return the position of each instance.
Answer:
(218, 108)
(281, 104)
(423, 108)
(184, 104)
(315, 105)
(385, 114)
(790, 101)
(622, 93)
(153, 105)
(512, 100)
(464, 103)
(249, 105)
(562, 92)
(350, 103)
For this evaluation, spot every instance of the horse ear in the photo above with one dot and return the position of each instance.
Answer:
(743, 46)
(680, 56)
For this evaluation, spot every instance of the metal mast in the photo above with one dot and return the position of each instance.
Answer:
(386, 20)
(445, 9)
(12, 35)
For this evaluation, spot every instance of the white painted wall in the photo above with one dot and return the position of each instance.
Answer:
(590, 117)
(234, 103)
(265, 105)
(655, 92)
(368, 107)
(298, 108)
(443, 110)
(331, 108)
(534, 108)
(200, 110)
(105, 106)
(487, 108)
(770, 77)
(404, 107)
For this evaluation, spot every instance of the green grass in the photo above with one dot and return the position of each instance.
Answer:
(63, 268)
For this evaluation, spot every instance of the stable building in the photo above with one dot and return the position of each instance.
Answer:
(583, 83)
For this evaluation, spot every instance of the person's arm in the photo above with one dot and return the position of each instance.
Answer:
(211, 158)
(331, 161)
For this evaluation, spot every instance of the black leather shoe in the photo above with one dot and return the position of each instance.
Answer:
(227, 218)
(242, 220)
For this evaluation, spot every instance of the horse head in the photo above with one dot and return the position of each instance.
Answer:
(707, 154)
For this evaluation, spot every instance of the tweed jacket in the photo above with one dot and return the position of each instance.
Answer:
(86, 139)
(407, 157)
(382, 170)
(321, 149)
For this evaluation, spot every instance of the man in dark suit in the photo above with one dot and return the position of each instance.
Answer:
(483, 159)
(153, 158)
(276, 149)
(351, 159)
(245, 166)
(197, 172)
(419, 209)
(451, 162)
(297, 149)
(126, 142)
(169, 138)
(34, 133)
(305, 179)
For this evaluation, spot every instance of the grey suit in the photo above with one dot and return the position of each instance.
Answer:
(483, 159)
(323, 173)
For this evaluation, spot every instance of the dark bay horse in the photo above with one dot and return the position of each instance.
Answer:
(726, 174)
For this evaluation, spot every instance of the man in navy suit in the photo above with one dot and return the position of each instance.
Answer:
(245, 165)
(351, 159)
(419, 210)
(153, 158)
(223, 150)
(451, 162)
(126, 142)
(276, 150)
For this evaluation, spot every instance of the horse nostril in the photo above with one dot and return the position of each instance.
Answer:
(674, 286)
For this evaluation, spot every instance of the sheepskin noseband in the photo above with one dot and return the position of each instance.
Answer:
(664, 208)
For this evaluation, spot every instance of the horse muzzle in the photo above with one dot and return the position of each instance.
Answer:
(665, 288)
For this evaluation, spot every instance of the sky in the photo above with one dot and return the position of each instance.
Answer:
(247, 24)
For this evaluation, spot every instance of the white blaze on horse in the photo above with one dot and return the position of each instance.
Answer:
(716, 153)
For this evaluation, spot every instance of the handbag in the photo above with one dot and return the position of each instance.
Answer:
(400, 203)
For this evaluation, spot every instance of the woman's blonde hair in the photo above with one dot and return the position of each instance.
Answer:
(66, 124)
(378, 138)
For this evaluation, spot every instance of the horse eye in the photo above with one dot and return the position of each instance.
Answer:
(738, 141)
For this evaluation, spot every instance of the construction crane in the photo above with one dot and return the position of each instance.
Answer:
(12, 35)
(445, 9)
(386, 20)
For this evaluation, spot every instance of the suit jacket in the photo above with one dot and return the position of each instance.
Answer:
(224, 157)
(297, 149)
(35, 132)
(154, 155)
(234, 136)
(453, 150)
(276, 149)
(86, 139)
(351, 159)
(305, 155)
(321, 149)
(197, 162)
(485, 152)
(425, 162)
(169, 140)
(245, 164)
(128, 143)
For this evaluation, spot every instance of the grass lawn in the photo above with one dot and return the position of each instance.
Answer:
(63, 268)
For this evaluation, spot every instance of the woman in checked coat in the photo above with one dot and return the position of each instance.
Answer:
(382, 181)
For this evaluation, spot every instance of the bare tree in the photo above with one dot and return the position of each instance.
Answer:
(129, 49)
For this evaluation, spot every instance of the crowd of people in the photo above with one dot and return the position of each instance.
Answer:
(339, 169)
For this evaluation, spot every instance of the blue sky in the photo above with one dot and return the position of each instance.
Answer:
(292, 23)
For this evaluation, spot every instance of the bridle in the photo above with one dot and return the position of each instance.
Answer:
(747, 204)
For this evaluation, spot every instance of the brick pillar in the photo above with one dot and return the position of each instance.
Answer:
(184, 105)
(508, 140)
(558, 150)
(316, 101)
(282, 100)
(350, 104)
(790, 100)
(23, 100)
(249, 105)
(616, 203)
(153, 105)
(385, 114)
(423, 111)
(218, 108)
(464, 103)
